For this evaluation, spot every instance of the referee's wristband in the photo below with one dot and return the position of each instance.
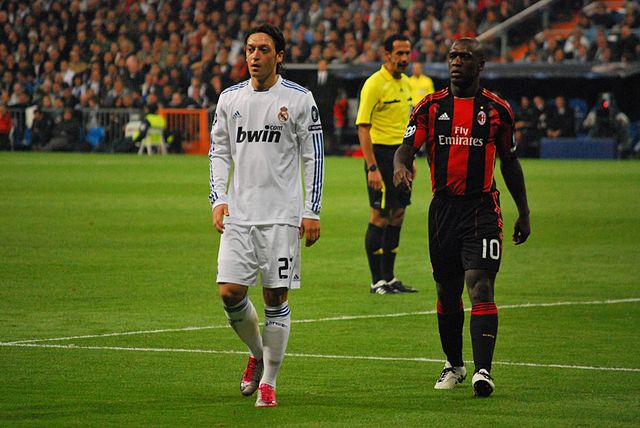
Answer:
(371, 168)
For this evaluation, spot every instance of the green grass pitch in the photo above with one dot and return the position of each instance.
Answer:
(109, 314)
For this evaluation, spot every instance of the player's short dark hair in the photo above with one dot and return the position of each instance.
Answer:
(388, 42)
(275, 34)
(272, 31)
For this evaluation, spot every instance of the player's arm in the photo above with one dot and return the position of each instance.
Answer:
(403, 166)
(404, 170)
(219, 167)
(514, 179)
(310, 138)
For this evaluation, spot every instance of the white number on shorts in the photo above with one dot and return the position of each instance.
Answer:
(283, 270)
(494, 249)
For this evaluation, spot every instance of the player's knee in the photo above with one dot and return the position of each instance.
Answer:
(448, 282)
(481, 293)
(481, 287)
(231, 295)
(275, 296)
(449, 290)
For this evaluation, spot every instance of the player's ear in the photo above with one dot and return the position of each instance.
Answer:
(480, 66)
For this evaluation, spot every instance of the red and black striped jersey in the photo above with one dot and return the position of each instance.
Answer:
(462, 136)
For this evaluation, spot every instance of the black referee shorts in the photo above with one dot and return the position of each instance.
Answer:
(465, 233)
(389, 196)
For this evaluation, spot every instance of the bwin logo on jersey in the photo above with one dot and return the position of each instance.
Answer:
(270, 134)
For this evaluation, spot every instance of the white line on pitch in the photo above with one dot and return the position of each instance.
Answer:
(338, 318)
(301, 355)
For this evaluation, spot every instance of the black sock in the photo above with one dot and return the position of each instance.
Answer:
(450, 323)
(390, 243)
(373, 246)
(484, 330)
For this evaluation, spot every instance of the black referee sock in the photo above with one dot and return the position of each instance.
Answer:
(390, 243)
(450, 324)
(484, 330)
(373, 246)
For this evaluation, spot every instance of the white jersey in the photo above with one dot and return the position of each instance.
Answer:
(264, 137)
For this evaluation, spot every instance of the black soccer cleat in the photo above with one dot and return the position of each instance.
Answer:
(396, 284)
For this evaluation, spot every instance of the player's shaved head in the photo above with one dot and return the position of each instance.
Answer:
(466, 62)
(474, 46)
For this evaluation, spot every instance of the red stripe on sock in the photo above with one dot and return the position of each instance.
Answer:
(485, 308)
(440, 309)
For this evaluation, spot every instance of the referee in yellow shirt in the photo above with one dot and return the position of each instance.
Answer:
(383, 115)
(421, 84)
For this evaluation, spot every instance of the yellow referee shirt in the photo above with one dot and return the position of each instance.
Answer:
(385, 104)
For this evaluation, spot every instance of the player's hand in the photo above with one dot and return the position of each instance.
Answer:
(374, 180)
(310, 229)
(403, 178)
(522, 229)
(219, 213)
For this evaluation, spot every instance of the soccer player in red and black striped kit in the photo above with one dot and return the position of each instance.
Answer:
(464, 127)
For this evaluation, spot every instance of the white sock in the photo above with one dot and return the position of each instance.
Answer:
(277, 323)
(243, 318)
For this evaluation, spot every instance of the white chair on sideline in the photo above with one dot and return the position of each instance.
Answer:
(154, 138)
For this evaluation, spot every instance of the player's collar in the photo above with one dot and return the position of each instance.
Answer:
(278, 81)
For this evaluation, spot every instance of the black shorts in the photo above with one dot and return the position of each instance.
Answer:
(389, 196)
(465, 233)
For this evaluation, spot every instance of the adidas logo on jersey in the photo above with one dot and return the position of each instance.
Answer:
(270, 134)
(444, 116)
(236, 115)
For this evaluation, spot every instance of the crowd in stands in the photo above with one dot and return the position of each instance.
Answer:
(601, 35)
(87, 54)
(183, 53)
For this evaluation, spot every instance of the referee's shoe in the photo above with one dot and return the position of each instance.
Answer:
(396, 284)
(382, 287)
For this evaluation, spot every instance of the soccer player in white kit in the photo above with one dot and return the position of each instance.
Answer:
(265, 129)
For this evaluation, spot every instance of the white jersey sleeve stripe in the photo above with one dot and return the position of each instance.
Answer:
(235, 87)
(293, 85)
(319, 168)
(213, 196)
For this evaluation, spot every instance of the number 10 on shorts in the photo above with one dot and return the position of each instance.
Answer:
(492, 247)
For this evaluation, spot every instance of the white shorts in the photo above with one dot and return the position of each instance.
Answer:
(271, 250)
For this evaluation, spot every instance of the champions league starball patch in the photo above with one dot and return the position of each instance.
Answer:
(482, 117)
(410, 131)
(283, 115)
